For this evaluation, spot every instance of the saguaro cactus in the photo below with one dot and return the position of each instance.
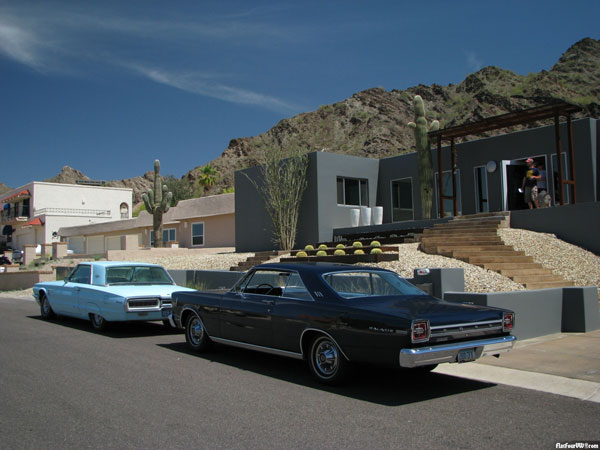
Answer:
(157, 203)
(425, 163)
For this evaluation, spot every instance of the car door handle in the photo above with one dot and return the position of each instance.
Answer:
(268, 302)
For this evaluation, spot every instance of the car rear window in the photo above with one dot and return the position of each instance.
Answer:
(354, 284)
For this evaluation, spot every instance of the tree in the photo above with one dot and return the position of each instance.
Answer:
(424, 161)
(283, 183)
(208, 177)
(157, 203)
(179, 187)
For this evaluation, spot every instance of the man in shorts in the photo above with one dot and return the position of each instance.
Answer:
(529, 184)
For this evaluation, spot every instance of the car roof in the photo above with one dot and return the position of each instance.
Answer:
(118, 263)
(318, 268)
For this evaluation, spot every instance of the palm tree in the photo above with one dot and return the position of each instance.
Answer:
(208, 177)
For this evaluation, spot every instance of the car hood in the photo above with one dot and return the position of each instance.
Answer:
(437, 311)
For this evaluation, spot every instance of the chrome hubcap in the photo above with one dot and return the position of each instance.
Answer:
(326, 358)
(196, 331)
(98, 319)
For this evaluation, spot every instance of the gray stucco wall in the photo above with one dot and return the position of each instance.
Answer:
(319, 211)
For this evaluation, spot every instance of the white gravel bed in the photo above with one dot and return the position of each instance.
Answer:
(569, 261)
(477, 279)
(197, 261)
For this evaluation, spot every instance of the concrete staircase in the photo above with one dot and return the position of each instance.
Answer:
(475, 240)
(258, 258)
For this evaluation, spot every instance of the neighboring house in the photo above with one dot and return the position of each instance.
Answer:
(36, 211)
(194, 223)
(488, 172)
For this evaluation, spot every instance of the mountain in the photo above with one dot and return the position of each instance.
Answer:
(372, 123)
(4, 188)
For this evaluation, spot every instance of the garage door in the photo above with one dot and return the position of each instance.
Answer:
(95, 245)
(76, 245)
(113, 243)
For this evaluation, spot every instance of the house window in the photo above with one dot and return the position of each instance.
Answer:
(402, 200)
(481, 190)
(352, 191)
(198, 234)
(169, 234)
(124, 208)
(447, 192)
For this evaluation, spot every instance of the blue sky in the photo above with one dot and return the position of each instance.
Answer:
(108, 86)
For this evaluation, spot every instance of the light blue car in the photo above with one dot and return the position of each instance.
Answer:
(109, 291)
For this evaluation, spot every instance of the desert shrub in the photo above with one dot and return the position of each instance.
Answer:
(375, 244)
(359, 252)
(322, 247)
(339, 252)
(357, 244)
(340, 246)
(309, 247)
(301, 254)
(321, 253)
(375, 251)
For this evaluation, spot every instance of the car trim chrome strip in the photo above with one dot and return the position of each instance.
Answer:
(423, 356)
(259, 348)
(471, 324)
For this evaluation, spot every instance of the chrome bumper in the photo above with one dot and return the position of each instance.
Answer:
(424, 356)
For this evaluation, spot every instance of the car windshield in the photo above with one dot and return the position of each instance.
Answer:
(137, 275)
(369, 284)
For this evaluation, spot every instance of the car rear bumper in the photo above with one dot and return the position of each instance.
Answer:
(448, 353)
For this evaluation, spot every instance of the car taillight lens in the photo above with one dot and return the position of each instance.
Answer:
(508, 321)
(419, 331)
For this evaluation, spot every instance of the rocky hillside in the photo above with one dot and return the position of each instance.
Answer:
(372, 123)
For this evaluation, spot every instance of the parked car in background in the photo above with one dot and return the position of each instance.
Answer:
(109, 291)
(335, 314)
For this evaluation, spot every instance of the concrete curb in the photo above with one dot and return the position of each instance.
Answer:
(569, 387)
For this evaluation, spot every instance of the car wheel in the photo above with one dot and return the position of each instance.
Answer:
(45, 308)
(98, 322)
(326, 362)
(195, 334)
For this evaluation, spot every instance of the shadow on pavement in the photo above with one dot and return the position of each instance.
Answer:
(381, 385)
(115, 329)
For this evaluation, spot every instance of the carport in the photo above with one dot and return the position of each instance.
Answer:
(555, 110)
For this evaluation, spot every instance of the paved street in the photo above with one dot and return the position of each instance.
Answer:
(64, 386)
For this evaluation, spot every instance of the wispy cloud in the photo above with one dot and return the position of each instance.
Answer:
(63, 41)
(203, 84)
(474, 62)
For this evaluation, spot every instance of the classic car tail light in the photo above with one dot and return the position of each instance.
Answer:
(508, 321)
(419, 331)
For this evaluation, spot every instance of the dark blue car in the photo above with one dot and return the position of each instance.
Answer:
(335, 314)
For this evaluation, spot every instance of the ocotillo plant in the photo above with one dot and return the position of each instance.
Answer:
(157, 203)
(425, 164)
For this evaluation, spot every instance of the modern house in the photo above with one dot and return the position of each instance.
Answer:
(33, 214)
(489, 173)
(194, 223)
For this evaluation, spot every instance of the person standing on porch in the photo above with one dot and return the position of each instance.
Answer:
(544, 199)
(529, 184)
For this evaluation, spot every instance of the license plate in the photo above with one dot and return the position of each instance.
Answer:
(166, 312)
(466, 355)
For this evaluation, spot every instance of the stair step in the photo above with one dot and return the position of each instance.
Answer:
(474, 248)
(463, 240)
(504, 254)
(534, 278)
(518, 272)
(461, 231)
(498, 266)
(548, 284)
(497, 259)
(465, 224)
